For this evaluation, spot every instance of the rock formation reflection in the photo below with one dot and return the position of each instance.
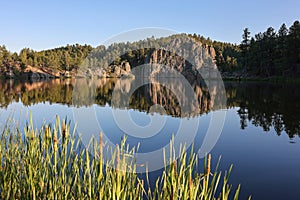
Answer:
(261, 104)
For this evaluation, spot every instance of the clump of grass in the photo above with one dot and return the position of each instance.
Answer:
(51, 163)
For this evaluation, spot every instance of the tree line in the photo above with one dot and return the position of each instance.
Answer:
(267, 54)
(272, 53)
(63, 58)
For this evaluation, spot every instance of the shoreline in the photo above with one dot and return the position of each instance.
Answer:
(265, 79)
(274, 79)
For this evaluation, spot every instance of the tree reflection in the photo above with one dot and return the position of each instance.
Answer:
(268, 105)
(263, 104)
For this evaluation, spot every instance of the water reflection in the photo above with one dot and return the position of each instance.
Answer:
(267, 105)
(262, 104)
(30, 93)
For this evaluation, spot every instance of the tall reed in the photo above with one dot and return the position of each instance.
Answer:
(52, 163)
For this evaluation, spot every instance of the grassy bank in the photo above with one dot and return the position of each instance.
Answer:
(51, 163)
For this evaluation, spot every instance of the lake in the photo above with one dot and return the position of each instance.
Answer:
(260, 136)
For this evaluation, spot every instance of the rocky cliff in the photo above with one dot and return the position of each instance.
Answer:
(177, 52)
(14, 70)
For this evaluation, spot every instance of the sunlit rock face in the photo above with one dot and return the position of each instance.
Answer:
(177, 52)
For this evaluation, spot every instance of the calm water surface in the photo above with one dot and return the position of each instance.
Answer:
(260, 135)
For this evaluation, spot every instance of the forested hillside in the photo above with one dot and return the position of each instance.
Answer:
(266, 54)
(52, 62)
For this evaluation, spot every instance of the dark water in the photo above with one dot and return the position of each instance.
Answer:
(260, 136)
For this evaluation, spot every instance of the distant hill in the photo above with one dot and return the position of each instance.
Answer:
(265, 55)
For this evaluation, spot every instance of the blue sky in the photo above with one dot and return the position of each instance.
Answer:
(43, 25)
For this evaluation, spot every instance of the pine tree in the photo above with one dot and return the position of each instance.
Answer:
(245, 47)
